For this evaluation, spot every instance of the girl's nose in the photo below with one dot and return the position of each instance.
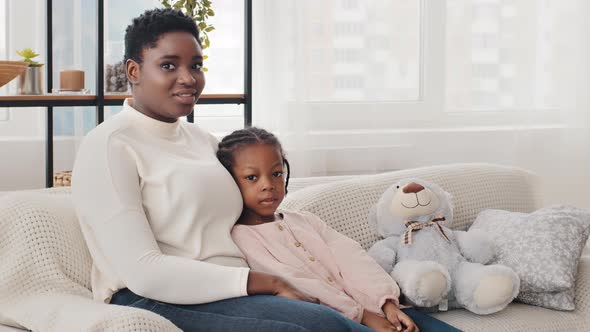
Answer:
(267, 185)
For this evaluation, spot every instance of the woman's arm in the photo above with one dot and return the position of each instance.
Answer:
(107, 196)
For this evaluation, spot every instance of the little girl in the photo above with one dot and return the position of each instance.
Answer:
(301, 248)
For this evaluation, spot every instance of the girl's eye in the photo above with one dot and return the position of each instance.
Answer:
(198, 66)
(277, 174)
(251, 177)
(168, 66)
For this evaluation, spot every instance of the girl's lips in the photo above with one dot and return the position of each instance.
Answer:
(268, 201)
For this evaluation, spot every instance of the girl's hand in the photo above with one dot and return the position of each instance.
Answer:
(377, 322)
(264, 283)
(398, 318)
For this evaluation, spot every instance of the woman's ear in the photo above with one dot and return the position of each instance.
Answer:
(132, 71)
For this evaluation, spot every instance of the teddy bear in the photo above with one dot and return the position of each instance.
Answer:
(437, 268)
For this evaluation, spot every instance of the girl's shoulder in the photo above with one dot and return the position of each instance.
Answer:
(302, 216)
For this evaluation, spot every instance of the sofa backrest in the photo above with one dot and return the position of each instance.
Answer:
(344, 205)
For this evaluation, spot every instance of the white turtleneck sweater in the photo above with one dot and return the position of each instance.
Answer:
(156, 209)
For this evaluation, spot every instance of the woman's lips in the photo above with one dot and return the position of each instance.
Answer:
(186, 98)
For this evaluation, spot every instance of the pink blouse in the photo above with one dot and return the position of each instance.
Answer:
(318, 261)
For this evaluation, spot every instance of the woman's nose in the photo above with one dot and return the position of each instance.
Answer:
(186, 77)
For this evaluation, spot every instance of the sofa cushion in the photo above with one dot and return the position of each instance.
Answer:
(543, 248)
(519, 317)
(45, 271)
(345, 205)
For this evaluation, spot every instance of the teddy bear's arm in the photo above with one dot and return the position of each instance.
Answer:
(383, 253)
(475, 245)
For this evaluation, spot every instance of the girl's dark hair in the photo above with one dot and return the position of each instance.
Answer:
(248, 136)
(145, 30)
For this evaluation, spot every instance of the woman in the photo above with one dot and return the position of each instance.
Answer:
(156, 206)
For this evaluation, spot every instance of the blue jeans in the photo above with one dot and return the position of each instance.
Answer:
(261, 313)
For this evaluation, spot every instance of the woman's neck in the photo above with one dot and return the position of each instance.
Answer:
(251, 218)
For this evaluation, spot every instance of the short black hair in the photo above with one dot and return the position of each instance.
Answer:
(244, 137)
(145, 30)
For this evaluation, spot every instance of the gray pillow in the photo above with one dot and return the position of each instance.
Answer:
(542, 247)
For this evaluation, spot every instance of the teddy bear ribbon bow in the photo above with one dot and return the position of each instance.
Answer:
(414, 226)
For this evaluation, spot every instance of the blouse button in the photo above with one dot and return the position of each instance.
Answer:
(330, 280)
(298, 244)
(281, 227)
(311, 258)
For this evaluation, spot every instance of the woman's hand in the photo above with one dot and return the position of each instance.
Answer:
(398, 318)
(264, 283)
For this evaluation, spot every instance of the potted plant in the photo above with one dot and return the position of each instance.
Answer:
(30, 82)
(200, 11)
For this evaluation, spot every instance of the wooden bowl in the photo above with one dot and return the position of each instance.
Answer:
(9, 70)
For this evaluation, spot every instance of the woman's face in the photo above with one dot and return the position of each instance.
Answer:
(258, 171)
(167, 84)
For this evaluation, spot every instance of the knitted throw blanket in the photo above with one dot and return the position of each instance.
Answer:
(45, 271)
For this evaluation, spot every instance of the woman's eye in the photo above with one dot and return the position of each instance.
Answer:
(277, 174)
(198, 66)
(168, 66)
(251, 177)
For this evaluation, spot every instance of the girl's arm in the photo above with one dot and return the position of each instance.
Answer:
(260, 259)
(108, 200)
(371, 285)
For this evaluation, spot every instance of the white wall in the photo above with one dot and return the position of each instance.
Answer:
(23, 161)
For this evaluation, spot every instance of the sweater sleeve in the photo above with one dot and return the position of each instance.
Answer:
(107, 195)
(371, 285)
(260, 259)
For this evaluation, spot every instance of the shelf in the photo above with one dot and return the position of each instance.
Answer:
(117, 99)
(47, 100)
(109, 100)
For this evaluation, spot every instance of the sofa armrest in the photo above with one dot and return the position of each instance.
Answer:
(583, 287)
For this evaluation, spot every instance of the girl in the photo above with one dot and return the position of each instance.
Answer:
(301, 248)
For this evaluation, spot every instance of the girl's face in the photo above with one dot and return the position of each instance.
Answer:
(167, 84)
(258, 170)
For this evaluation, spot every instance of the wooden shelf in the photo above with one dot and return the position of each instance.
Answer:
(47, 97)
(47, 100)
(91, 100)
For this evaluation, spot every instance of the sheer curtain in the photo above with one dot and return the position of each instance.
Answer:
(355, 86)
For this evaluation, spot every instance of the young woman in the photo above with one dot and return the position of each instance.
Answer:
(156, 207)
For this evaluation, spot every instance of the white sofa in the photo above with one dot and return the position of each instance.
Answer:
(344, 203)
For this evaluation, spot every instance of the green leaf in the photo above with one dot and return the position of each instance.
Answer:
(179, 4)
(202, 26)
(205, 57)
(210, 12)
(209, 29)
(165, 3)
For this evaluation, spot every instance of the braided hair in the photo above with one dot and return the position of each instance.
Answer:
(244, 137)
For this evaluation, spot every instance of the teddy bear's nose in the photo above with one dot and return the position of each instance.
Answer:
(413, 188)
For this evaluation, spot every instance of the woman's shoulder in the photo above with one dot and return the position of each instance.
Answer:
(104, 132)
(201, 134)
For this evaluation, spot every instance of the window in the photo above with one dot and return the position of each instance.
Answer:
(362, 50)
(505, 55)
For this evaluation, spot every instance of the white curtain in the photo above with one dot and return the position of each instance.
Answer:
(364, 86)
